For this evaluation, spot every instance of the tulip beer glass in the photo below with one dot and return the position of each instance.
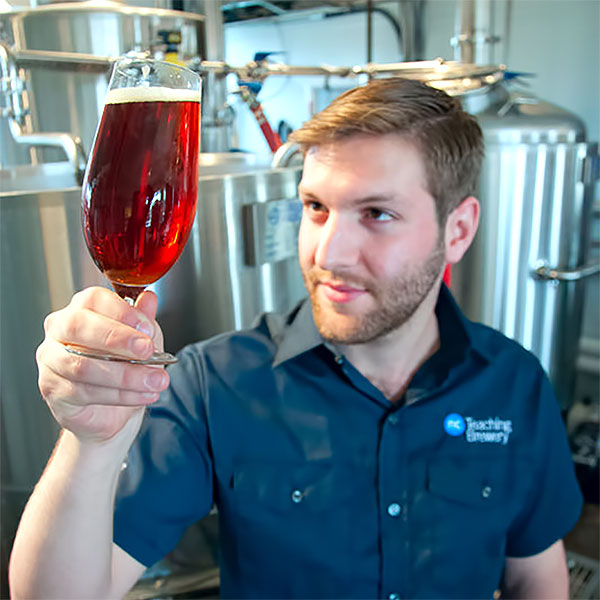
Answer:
(141, 183)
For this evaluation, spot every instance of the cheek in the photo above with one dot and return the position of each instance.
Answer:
(305, 245)
(386, 257)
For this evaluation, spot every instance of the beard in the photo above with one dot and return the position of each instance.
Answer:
(395, 301)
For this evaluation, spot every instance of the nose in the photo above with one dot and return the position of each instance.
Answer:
(338, 244)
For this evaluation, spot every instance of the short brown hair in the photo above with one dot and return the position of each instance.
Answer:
(449, 139)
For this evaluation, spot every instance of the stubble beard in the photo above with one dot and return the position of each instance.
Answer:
(395, 303)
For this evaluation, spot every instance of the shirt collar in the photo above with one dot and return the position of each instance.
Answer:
(300, 334)
(457, 334)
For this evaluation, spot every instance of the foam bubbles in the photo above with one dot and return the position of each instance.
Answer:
(151, 94)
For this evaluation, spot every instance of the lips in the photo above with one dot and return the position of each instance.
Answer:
(340, 293)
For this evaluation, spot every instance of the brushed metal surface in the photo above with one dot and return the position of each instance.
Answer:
(106, 30)
(535, 208)
(44, 260)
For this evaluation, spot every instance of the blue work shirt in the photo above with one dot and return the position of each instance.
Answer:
(326, 489)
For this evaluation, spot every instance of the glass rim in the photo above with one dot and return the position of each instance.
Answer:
(132, 60)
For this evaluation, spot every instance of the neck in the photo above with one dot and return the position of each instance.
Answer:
(390, 362)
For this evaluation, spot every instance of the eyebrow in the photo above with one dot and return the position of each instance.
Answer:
(374, 199)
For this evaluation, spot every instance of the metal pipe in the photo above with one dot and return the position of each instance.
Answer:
(276, 10)
(474, 32)
(12, 90)
(465, 34)
(70, 61)
(369, 31)
(545, 273)
(284, 154)
(258, 71)
(215, 115)
(70, 144)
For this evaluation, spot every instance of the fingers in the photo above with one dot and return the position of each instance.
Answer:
(98, 319)
(104, 302)
(95, 399)
(83, 381)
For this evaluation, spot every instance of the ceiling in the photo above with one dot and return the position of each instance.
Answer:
(243, 10)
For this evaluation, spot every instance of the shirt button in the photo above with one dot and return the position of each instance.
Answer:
(394, 509)
(297, 496)
(339, 359)
(394, 596)
(393, 419)
(486, 491)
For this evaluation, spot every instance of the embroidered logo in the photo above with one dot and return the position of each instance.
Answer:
(492, 430)
(454, 424)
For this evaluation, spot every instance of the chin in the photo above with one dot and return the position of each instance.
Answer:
(342, 328)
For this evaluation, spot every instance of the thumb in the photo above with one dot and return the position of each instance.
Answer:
(147, 303)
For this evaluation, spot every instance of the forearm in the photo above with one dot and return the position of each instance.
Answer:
(63, 546)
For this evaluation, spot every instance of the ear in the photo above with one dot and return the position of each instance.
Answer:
(461, 227)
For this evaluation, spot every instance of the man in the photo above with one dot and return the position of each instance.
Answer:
(371, 443)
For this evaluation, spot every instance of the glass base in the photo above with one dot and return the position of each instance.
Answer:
(158, 358)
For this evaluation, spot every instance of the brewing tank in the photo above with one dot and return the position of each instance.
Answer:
(240, 260)
(58, 95)
(536, 193)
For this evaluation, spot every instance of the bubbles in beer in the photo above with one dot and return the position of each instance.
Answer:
(139, 194)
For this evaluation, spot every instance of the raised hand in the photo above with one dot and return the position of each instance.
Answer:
(96, 399)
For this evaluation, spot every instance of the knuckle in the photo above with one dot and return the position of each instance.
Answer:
(48, 322)
(46, 385)
(39, 354)
(113, 339)
(72, 326)
(87, 297)
(80, 367)
(80, 298)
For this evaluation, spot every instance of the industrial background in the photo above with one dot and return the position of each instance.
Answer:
(528, 69)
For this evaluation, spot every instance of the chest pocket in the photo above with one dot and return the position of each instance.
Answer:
(474, 481)
(310, 487)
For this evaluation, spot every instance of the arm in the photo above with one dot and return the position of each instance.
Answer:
(63, 548)
(544, 575)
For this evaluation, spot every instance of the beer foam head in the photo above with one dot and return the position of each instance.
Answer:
(151, 94)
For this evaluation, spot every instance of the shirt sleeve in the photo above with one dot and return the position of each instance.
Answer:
(166, 481)
(555, 500)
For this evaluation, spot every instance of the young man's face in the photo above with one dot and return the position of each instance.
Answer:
(370, 247)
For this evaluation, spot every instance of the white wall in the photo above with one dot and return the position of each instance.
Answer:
(339, 41)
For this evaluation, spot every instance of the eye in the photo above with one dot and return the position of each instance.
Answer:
(376, 214)
(314, 207)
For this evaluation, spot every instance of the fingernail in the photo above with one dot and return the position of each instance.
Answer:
(155, 381)
(140, 345)
(146, 328)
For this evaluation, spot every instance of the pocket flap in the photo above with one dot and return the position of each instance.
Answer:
(468, 480)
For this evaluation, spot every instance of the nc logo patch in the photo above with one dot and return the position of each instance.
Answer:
(482, 431)
(454, 424)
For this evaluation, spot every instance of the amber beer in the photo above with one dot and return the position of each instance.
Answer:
(141, 186)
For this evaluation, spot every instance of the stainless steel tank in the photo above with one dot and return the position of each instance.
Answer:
(61, 78)
(525, 272)
(240, 260)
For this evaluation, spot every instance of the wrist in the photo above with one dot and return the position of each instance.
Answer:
(92, 458)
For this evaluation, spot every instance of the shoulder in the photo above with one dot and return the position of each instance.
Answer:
(501, 350)
(243, 349)
(515, 376)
